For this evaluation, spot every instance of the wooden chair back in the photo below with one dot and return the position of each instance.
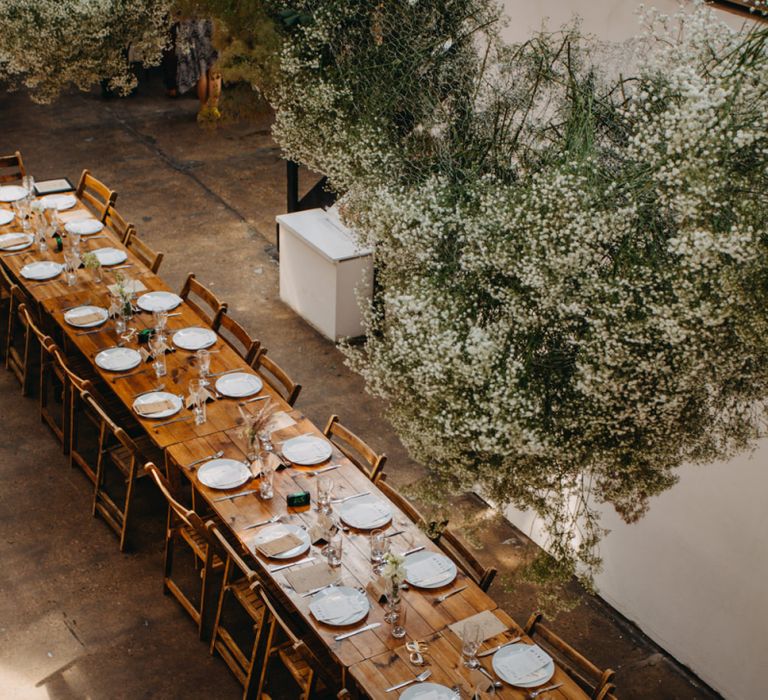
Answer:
(12, 168)
(116, 222)
(202, 299)
(188, 517)
(276, 377)
(461, 554)
(95, 195)
(18, 341)
(143, 252)
(236, 336)
(595, 681)
(355, 449)
(432, 529)
(79, 384)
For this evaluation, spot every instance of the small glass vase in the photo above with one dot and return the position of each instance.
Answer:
(393, 605)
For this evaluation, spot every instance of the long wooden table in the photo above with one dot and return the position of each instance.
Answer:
(373, 659)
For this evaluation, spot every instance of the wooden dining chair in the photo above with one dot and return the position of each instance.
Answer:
(457, 550)
(19, 341)
(313, 675)
(52, 380)
(238, 588)
(432, 529)
(201, 299)
(143, 252)
(355, 449)
(95, 195)
(116, 222)
(186, 527)
(12, 168)
(119, 465)
(597, 683)
(276, 377)
(236, 336)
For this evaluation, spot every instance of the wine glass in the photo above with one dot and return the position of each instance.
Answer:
(266, 479)
(157, 346)
(71, 263)
(471, 638)
(198, 393)
(203, 365)
(324, 493)
(380, 544)
(334, 549)
(160, 321)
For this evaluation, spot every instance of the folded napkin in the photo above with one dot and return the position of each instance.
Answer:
(311, 577)
(490, 624)
(279, 420)
(307, 451)
(11, 241)
(280, 544)
(134, 286)
(335, 607)
(362, 511)
(528, 661)
(74, 215)
(429, 570)
(148, 408)
(85, 317)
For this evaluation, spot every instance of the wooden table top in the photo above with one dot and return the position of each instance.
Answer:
(444, 659)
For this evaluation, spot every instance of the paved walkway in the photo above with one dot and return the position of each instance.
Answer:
(79, 620)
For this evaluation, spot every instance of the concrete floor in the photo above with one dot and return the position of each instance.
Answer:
(78, 619)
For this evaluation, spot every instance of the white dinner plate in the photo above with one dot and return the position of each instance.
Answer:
(366, 512)
(275, 531)
(84, 227)
(61, 202)
(339, 606)
(72, 316)
(428, 691)
(6, 216)
(194, 338)
(110, 256)
(145, 399)
(238, 385)
(307, 450)
(118, 359)
(507, 661)
(223, 474)
(41, 270)
(429, 569)
(16, 240)
(12, 193)
(159, 301)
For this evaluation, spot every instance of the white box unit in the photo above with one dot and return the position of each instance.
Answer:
(322, 272)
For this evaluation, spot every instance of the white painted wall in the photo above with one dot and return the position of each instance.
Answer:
(693, 574)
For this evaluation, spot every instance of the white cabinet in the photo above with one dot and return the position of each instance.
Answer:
(323, 271)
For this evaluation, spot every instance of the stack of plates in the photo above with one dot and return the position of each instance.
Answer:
(12, 193)
(194, 338)
(16, 241)
(223, 474)
(159, 301)
(84, 227)
(339, 606)
(153, 397)
(523, 665)
(273, 532)
(42, 270)
(59, 201)
(237, 385)
(429, 569)
(6, 217)
(110, 256)
(118, 359)
(80, 312)
(366, 512)
(307, 450)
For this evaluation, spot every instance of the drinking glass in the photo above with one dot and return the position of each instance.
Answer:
(71, 263)
(324, 493)
(398, 624)
(160, 321)
(74, 240)
(41, 237)
(157, 346)
(379, 547)
(266, 482)
(21, 210)
(334, 548)
(197, 394)
(471, 638)
(203, 365)
(28, 183)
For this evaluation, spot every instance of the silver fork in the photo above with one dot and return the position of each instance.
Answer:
(159, 387)
(215, 455)
(536, 693)
(130, 374)
(268, 521)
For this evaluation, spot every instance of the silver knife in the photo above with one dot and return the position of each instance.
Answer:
(95, 330)
(236, 495)
(257, 398)
(175, 420)
(395, 533)
(347, 635)
(130, 374)
(288, 566)
(318, 589)
(445, 596)
(349, 498)
(226, 371)
(414, 550)
(501, 646)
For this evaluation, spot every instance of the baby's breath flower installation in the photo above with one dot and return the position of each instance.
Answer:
(47, 45)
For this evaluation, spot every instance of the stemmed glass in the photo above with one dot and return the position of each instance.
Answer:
(324, 493)
(471, 638)
(398, 624)
(157, 346)
(198, 393)
(380, 544)
(71, 263)
(160, 321)
(334, 549)
(203, 365)
(266, 480)
(28, 183)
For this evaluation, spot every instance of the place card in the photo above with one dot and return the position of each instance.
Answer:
(489, 623)
(279, 545)
(318, 534)
(147, 408)
(377, 588)
(311, 577)
(480, 682)
(190, 402)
